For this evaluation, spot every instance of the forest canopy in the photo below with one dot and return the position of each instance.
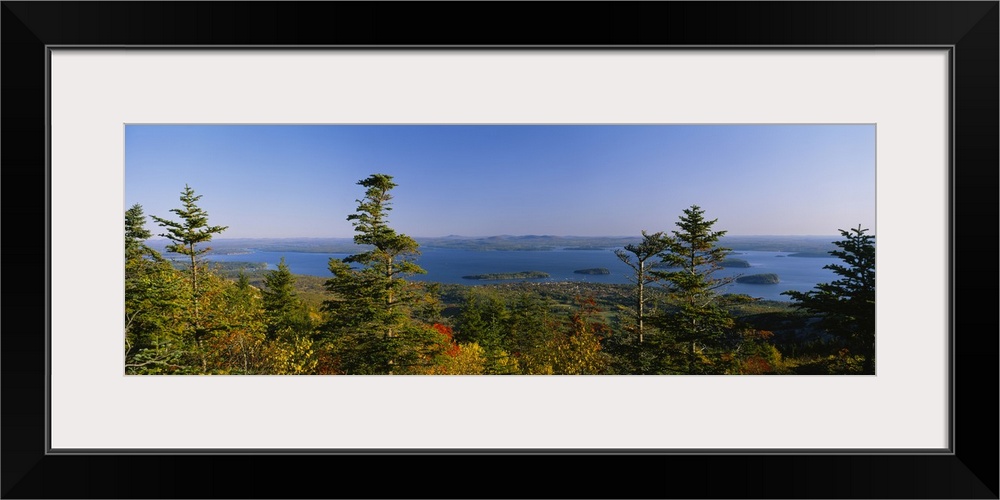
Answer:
(185, 315)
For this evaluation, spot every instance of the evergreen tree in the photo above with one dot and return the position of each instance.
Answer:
(136, 235)
(190, 231)
(393, 254)
(283, 310)
(697, 324)
(629, 347)
(153, 296)
(242, 281)
(847, 305)
(369, 318)
(650, 246)
(530, 323)
(485, 320)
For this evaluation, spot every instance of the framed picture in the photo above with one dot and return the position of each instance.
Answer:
(921, 76)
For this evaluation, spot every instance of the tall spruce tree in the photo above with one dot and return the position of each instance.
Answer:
(697, 323)
(847, 305)
(368, 315)
(186, 234)
(192, 230)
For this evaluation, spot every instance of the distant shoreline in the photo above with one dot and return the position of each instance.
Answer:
(797, 246)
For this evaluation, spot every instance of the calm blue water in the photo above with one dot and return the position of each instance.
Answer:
(449, 265)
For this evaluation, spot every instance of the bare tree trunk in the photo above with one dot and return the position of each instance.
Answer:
(641, 280)
(243, 348)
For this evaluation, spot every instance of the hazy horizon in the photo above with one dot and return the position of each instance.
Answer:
(465, 236)
(300, 181)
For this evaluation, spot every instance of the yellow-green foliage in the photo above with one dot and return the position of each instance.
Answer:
(468, 359)
(845, 362)
(295, 358)
(573, 352)
(502, 363)
(579, 355)
(568, 355)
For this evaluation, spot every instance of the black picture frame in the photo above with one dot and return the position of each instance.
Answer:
(969, 28)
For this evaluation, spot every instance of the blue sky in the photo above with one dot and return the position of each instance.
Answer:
(287, 181)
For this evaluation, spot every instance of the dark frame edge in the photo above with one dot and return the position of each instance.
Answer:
(976, 75)
(23, 365)
(48, 251)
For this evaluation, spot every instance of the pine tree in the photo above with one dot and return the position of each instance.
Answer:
(650, 246)
(697, 323)
(368, 316)
(153, 293)
(393, 254)
(136, 235)
(192, 230)
(486, 321)
(282, 308)
(530, 323)
(483, 319)
(847, 305)
(375, 291)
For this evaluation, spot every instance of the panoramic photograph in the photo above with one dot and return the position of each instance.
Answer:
(529, 249)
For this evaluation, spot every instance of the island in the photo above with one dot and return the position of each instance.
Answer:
(759, 279)
(593, 270)
(812, 255)
(507, 276)
(734, 263)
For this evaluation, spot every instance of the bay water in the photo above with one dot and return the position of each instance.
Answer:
(450, 265)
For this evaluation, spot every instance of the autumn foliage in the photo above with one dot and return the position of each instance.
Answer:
(371, 320)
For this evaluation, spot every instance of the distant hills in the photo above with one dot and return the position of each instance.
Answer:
(246, 245)
(804, 245)
(812, 244)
